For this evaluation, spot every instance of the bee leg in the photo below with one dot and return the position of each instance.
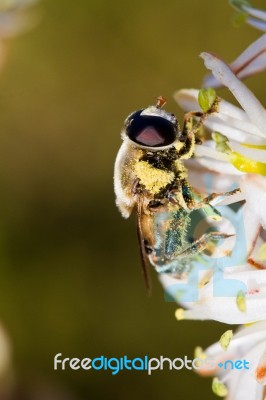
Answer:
(209, 210)
(180, 262)
(187, 149)
(188, 120)
(200, 244)
(190, 128)
(213, 196)
(189, 134)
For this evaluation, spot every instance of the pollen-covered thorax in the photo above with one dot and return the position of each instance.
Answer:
(152, 178)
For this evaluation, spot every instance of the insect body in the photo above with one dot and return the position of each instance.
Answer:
(151, 178)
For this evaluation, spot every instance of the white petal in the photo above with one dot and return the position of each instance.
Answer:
(261, 369)
(257, 65)
(206, 151)
(251, 225)
(187, 99)
(224, 308)
(254, 154)
(233, 129)
(230, 120)
(234, 113)
(254, 12)
(246, 337)
(220, 167)
(256, 252)
(248, 344)
(257, 24)
(244, 96)
(251, 61)
(242, 384)
(207, 181)
(254, 189)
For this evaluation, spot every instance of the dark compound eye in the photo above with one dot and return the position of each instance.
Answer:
(150, 131)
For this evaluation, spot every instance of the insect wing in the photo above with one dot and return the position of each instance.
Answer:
(144, 258)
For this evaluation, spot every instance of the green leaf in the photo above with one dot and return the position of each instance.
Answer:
(206, 99)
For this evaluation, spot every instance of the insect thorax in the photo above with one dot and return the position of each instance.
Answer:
(160, 173)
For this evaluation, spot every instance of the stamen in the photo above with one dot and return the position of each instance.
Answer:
(199, 353)
(241, 301)
(219, 388)
(225, 339)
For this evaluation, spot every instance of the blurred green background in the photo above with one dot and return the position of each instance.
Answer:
(71, 278)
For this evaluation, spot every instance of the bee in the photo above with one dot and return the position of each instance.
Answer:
(150, 178)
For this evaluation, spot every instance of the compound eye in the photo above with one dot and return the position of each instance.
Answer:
(149, 130)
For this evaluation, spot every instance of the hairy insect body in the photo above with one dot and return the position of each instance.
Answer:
(151, 178)
(158, 181)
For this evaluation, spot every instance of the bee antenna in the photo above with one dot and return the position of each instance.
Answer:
(160, 102)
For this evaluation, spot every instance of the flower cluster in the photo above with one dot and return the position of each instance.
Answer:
(230, 286)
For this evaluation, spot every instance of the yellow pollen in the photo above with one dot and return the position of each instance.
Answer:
(153, 178)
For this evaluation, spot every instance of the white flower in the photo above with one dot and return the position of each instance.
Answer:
(231, 285)
(244, 128)
(234, 295)
(232, 288)
(250, 62)
(253, 16)
(247, 382)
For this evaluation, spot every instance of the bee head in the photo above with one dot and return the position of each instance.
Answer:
(152, 127)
